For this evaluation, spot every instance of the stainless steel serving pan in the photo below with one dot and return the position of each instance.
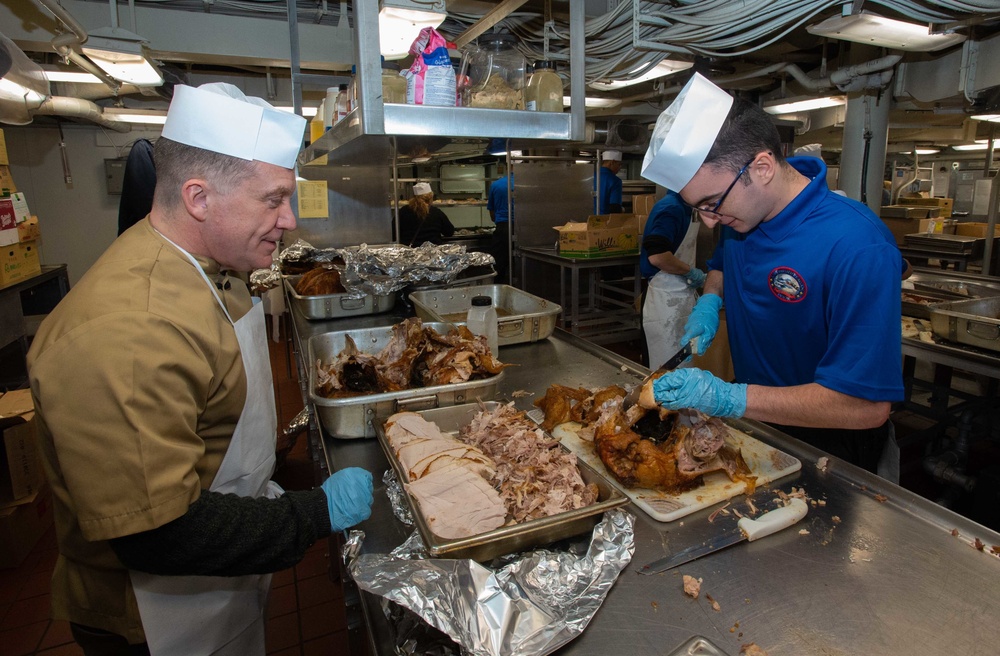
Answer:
(506, 539)
(917, 303)
(337, 306)
(357, 416)
(521, 317)
(974, 322)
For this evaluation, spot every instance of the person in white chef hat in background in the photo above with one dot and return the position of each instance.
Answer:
(810, 280)
(168, 525)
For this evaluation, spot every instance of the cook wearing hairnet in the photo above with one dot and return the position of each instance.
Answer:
(420, 221)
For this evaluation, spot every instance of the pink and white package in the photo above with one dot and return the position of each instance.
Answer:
(430, 80)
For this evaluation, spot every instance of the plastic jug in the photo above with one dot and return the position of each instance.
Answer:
(482, 320)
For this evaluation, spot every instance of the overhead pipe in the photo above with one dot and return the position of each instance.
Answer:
(870, 74)
(63, 44)
(78, 108)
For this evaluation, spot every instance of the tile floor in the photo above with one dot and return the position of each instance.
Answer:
(306, 615)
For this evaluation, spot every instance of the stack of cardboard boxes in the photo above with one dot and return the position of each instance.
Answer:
(19, 232)
(25, 499)
(604, 235)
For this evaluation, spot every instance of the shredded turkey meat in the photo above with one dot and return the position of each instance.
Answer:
(416, 356)
(657, 449)
(535, 475)
(501, 469)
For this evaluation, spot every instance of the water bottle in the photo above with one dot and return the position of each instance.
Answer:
(482, 320)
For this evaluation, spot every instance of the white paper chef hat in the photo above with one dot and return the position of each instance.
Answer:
(421, 188)
(220, 118)
(685, 132)
(809, 150)
(611, 155)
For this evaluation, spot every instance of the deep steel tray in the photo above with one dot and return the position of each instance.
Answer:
(356, 416)
(974, 322)
(917, 303)
(521, 317)
(506, 539)
(337, 306)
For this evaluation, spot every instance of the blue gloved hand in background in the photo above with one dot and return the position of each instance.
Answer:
(703, 322)
(700, 390)
(695, 277)
(348, 497)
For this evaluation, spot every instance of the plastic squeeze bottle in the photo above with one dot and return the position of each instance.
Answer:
(482, 320)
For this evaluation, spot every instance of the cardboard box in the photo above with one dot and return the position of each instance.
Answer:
(937, 226)
(19, 261)
(909, 212)
(901, 227)
(20, 467)
(975, 229)
(29, 230)
(643, 203)
(602, 235)
(20, 204)
(22, 526)
(6, 180)
(3, 150)
(8, 222)
(945, 204)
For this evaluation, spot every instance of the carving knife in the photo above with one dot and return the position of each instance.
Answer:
(672, 363)
(749, 529)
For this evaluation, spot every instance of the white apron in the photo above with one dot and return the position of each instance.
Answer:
(196, 615)
(669, 301)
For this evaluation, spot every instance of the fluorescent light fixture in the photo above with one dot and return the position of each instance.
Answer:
(140, 116)
(400, 21)
(595, 102)
(922, 151)
(791, 106)
(976, 146)
(885, 32)
(992, 118)
(306, 111)
(665, 67)
(69, 76)
(497, 147)
(122, 55)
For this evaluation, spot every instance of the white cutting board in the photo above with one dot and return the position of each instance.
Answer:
(767, 464)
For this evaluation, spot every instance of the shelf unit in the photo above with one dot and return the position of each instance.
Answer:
(345, 141)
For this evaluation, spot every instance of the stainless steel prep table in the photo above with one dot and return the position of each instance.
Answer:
(888, 578)
(610, 315)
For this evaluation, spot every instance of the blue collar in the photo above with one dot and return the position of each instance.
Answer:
(791, 217)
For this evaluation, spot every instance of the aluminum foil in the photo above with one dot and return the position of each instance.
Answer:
(526, 604)
(383, 269)
(262, 280)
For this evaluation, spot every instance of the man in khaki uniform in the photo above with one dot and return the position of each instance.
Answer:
(155, 404)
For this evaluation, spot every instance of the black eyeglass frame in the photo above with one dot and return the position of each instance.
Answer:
(732, 184)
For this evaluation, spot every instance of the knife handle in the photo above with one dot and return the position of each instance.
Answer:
(773, 521)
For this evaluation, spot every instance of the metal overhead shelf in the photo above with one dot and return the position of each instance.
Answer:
(349, 139)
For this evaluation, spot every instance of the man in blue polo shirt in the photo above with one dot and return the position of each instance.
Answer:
(811, 282)
(500, 211)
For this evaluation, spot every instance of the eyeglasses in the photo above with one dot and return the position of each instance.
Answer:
(722, 198)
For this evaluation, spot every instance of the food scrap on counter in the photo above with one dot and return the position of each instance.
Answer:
(692, 586)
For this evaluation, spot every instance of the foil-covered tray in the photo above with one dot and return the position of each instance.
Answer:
(323, 307)
(521, 317)
(506, 539)
(357, 416)
(974, 322)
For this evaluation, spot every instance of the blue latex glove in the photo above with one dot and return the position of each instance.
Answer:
(695, 277)
(348, 497)
(703, 322)
(699, 389)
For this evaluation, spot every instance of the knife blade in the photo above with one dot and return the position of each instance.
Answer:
(749, 529)
(672, 363)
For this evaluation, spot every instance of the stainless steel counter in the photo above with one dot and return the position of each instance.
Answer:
(879, 571)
